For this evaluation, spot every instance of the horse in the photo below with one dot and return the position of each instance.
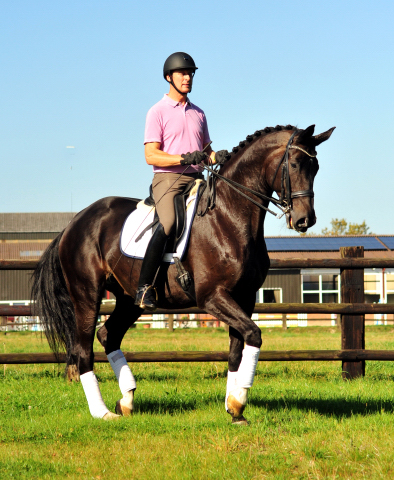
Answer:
(226, 257)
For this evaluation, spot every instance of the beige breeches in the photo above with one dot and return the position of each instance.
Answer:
(165, 186)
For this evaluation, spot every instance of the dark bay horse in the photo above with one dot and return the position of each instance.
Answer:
(226, 257)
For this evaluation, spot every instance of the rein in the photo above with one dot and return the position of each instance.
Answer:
(211, 188)
(283, 203)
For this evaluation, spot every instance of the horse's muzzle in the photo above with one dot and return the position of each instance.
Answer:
(300, 225)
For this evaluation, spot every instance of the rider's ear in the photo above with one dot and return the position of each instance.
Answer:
(322, 137)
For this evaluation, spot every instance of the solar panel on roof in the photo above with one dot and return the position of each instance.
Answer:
(389, 241)
(280, 244)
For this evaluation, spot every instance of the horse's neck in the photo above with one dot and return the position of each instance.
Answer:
(248, 169)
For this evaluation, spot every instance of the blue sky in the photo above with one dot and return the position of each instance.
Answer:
(84, 73)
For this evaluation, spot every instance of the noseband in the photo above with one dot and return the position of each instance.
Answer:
(284, 203)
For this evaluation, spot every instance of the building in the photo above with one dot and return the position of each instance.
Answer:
(25, 236)
(324, 285)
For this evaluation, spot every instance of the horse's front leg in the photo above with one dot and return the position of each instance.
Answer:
(245, 343)
(110, 336)
(238, 398)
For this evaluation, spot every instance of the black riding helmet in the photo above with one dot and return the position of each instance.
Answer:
(178, 61)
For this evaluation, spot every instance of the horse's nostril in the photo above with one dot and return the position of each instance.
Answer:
(302, 223)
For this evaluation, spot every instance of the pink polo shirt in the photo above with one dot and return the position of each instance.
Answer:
(178, 128)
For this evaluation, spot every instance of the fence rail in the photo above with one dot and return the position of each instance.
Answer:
(353, 311)
(275, 263)
(265, 356)
(339, 308)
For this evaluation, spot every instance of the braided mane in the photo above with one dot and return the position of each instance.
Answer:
(258, 133)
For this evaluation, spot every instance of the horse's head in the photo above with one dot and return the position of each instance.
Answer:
(291, 173)
(281, 159)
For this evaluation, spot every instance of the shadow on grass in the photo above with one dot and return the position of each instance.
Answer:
(338, 408)
(173, 404)
(329, 407)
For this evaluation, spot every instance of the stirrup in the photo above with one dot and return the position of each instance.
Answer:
(145, 299)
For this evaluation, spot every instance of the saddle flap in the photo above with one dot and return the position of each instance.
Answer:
(149, 201)
(180, 215)
(138, 227)
(180, 206)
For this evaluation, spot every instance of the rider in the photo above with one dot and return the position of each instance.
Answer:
(174, 128)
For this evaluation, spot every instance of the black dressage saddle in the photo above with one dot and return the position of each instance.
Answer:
(180, 214)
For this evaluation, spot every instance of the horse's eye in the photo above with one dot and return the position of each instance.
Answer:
(293, 165)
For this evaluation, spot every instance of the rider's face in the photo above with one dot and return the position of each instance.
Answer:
(182, 79)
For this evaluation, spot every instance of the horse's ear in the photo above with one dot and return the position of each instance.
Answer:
(322, 137)
(306, 134)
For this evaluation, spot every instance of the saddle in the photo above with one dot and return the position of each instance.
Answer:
(180, 201)
(184, 278)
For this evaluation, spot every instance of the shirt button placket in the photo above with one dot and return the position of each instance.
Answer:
(186, 129)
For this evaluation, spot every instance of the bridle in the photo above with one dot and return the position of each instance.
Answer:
(286, 195)
(284, 203)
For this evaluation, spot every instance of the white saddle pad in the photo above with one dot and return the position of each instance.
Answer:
(137, 221)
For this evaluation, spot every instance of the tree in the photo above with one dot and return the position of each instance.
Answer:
(342, 227)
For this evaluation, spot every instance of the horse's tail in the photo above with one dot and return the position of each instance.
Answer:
(52, 303)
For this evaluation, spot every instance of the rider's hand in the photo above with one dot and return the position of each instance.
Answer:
(221, 157)
(193, 158)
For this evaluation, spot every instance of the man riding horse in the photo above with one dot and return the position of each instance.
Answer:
(86, 258)
(174, 128)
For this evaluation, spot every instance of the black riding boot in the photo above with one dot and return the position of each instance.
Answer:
(146, 296)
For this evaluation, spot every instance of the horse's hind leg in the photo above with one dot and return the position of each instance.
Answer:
(85, 291)
(110, 336)
(84, 358)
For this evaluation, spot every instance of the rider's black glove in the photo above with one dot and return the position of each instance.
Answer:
(221, 157)
(193, 158)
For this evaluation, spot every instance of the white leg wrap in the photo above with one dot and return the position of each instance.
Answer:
(122, 371)
(91, 388)
(247, 368)
(231, 384)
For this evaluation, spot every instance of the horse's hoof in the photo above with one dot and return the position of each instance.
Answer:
(122, 410)
(236, 402)
(111, 416)
(239, 421)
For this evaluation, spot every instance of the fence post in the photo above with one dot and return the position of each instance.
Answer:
(352, 326)
(284, 321)
(171, 322)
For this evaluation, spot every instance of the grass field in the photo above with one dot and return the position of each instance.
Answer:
(305, 421)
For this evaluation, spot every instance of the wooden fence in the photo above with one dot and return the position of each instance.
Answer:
(353, 309)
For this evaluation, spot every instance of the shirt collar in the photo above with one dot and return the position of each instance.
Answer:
(172, 102)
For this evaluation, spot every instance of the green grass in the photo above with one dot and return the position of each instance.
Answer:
(305, 421)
